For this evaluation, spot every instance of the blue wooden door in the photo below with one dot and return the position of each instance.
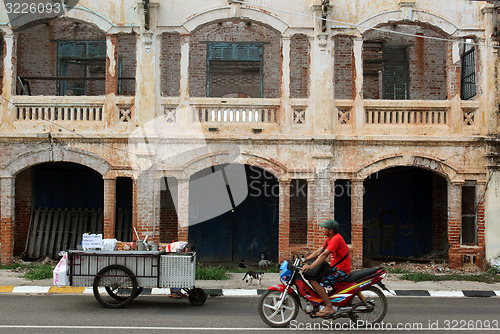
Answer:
(397, 213)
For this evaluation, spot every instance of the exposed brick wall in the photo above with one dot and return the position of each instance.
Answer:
(300, 63)
(439, 213)
(298, 212)
(232, 31)
(343, 67)
(168, 214)
(37, 52)
(170, 64)
(427, 62)
(127, 51)
(235, 84)
(23, 210)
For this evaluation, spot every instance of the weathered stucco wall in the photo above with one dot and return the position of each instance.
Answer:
(492, 219)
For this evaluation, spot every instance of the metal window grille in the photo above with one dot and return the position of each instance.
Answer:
(468, 82)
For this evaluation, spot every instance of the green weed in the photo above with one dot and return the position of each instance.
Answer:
(422, 277)
(43, 271)
(211, 273)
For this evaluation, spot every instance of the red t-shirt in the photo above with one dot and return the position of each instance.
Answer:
(339, 249)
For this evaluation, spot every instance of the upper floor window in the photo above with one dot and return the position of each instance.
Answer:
(395, 78)
(84, 63)
(235, 69)
(468, 78)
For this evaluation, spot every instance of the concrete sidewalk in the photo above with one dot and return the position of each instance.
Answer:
(10, 282)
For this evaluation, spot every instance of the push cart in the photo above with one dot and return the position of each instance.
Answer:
(118, 277)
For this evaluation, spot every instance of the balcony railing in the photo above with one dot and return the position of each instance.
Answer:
(235, 110)
(60, 109)
(425, 113)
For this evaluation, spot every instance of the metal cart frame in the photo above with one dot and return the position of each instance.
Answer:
(118, 277)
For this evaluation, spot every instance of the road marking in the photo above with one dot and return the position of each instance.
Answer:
(239, 292)
(66, 289)
(446, 293)
(141, 328)
(6, 288)
(31, 289)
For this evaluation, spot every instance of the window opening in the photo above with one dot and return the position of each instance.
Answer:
(395, 74)
(233, 68)
(468, 81)
(469, 221)
(80, 62)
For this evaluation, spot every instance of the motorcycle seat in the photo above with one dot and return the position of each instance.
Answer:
(356, 275)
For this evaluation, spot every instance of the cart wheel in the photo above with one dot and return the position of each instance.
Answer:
(197, 297)
(120, 297)
(139, 291)
(115, 286)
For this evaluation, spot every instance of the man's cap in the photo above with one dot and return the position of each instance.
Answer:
(331, 225)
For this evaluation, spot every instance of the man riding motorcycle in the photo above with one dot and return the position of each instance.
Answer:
(340, 263)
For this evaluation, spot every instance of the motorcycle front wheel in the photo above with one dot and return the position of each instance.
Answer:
(278, 317)
(370, 311)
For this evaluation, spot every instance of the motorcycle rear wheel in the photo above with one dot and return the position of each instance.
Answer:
(372, 311)
(278, 318)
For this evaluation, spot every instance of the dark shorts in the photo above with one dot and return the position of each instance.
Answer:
(335, 275)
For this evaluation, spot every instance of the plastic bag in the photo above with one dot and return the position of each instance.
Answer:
(177, 246)
(60, 273)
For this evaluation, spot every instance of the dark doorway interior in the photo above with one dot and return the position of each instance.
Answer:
(245, 232)
(403, 213)
(123, 215)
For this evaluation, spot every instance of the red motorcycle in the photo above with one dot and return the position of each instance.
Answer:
(354, 297)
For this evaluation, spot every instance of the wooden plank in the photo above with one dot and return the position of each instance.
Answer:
(33, 227)
(82, 214)
(100, 221)
(39, 234)
(72, 228)
(119, 224)
(93, 225)
(53, 234)
(46, 233)
(66, 227)
(60, 232)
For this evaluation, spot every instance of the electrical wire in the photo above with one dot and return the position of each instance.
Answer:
(355, 25)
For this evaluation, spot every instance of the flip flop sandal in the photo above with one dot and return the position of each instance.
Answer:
(324, 313)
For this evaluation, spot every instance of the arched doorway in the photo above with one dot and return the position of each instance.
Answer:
(405, 214)
(56, 202)
(244, 231)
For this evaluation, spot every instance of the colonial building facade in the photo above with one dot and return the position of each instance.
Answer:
(241, 124)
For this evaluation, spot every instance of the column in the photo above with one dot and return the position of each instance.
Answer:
(489, 63)
(184, 112)
(8, 81)
(358, 109)
(357, 222)
(323, 194)
(284, 220)
(312, 226)
(109, 207)
(7, 215)
(145, 205)
(183, 209)
(286, 107)
(453, 68)
(156, 209)
(454, 223)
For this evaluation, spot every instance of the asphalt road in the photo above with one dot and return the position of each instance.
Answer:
(154, 314)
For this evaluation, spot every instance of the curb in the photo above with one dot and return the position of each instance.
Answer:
(240, 292)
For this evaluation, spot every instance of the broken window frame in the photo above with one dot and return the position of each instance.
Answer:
(468, 88)
(468, 231)
(65, 57)
(234, 56)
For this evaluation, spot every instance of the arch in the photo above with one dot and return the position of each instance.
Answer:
(245, 13)
(447, 27)
(57, 154)
(245, 158)
(77, 13)
(418, 160)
